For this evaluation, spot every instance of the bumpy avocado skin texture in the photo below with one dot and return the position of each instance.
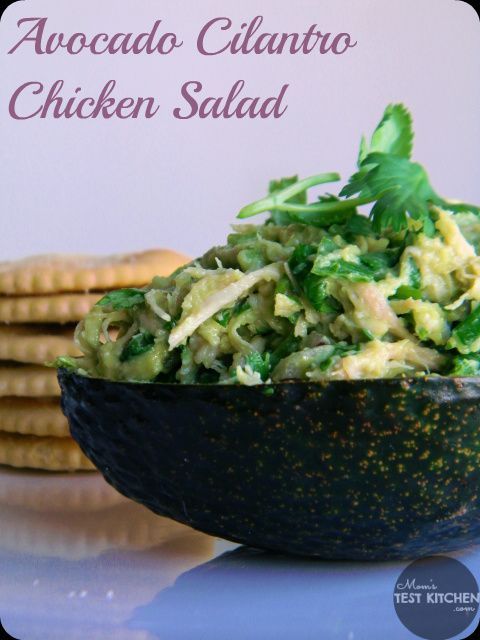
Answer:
(362, 470)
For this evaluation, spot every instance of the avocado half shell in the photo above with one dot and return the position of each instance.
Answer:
(364, 470)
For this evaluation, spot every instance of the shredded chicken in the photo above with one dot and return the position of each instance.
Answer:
(373, 312)
(221, 300)
(386, 360)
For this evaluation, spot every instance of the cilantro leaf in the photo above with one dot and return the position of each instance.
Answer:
(223, 317)
(138, 344)
(316, 291)
(465, 367)
(301, 260)
(314, 288)
(327, 245)
(466, 335)
(122, 299)
(379, 262)
(287, 346)
(399, 187)
(343, 269)
(283, 286)
(370, 266)
(405, 291)
(414, 274)
(259, 364)
(460, 207)
(359, 226)
(393, 135)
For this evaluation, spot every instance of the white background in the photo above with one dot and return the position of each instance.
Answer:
(100, 186)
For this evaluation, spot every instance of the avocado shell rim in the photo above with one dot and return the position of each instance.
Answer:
(293, 381)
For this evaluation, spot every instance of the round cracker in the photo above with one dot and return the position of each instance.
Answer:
(61, 308)
(33, 416)
(28, 381)
(35, 345)
(49, 454)
(62, 273)
(39, 491)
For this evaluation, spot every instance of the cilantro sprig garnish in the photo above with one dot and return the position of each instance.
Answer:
(387, 178)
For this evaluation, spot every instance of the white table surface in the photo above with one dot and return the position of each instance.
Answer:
(77, 560)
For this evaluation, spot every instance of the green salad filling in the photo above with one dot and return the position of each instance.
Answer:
(318, 292)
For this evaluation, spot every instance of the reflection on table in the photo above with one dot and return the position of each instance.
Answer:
(76, 557)
(77, 560)
(248, 594)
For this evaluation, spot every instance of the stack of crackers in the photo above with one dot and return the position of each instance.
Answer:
(41, 299)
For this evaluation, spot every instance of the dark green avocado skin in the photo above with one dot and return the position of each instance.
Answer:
(364, 470)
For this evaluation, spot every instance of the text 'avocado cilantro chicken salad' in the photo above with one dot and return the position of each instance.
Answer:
(317, 292)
